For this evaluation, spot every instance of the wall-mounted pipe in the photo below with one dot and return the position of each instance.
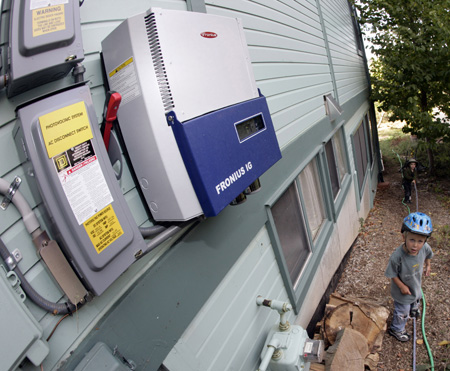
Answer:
(281, 307)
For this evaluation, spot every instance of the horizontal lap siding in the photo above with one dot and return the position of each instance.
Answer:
(290, 63)
(229, 331)
(347, 64)
(289, 58)
(98, 19)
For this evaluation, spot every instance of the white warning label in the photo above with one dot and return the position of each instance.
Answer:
(123, 79)
(83, 181)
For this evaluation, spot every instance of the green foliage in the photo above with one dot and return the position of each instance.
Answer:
(394, 142)
(441, 236)
(411, 75)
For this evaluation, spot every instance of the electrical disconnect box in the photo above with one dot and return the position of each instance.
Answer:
(68, 169)
(196, 128)
(44, 42)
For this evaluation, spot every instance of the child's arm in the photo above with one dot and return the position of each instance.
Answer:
(403, 288)
(427, 267)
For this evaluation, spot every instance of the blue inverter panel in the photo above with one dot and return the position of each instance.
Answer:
(226, 150)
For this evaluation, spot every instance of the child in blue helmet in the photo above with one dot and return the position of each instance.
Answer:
(405, 268)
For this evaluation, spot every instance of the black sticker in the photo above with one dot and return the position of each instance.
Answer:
(80, 153)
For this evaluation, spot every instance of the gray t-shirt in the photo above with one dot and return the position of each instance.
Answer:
(409, 269)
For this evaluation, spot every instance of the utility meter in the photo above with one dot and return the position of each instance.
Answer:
(70, 175)
(44, 42)
(294, 351)
(196, 128)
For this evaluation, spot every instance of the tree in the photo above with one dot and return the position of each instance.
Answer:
(411, 75)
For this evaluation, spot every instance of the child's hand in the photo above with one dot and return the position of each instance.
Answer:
(427, 270)
(405, 290)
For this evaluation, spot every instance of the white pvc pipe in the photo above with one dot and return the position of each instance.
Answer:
(29, 217)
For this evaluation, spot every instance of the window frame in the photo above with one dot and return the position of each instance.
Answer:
(362, 177)
(296, 290)
(336, 203)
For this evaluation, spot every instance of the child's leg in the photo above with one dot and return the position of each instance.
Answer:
(400, 316)
(407, 187)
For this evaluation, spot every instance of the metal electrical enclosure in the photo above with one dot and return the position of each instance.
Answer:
(67, 167)
(197, 131)
(44, 42)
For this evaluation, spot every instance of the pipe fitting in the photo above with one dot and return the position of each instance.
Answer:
(281, 307)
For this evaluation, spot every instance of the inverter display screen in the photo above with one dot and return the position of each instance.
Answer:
(250, 127)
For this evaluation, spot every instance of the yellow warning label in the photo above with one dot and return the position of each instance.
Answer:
(103, 228)
(49, 19)
(123, 65)
(65, 128)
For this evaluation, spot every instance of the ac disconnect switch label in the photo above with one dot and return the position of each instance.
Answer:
(79, 171)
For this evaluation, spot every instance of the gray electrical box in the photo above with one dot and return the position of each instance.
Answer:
(68, 169)
(21, 333)
(101, 358)
(44, 42)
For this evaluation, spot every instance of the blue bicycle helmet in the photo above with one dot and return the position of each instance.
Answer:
(419, 223)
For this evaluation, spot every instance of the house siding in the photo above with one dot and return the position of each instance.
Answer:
(192, 305)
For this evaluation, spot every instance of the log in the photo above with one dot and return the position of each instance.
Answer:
(317, 367)
(369, 319)
(348, 352)
(371, 361)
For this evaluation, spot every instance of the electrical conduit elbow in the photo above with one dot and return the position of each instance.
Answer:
(29, 217)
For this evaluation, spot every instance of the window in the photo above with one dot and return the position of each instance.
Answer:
(290, 227)
(298, 216)
(337, 165)
(361, 158)
(369, 137)
(312, 197)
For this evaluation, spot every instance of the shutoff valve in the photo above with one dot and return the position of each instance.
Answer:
(287, 347)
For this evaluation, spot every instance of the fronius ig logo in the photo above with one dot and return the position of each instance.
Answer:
(208, 35)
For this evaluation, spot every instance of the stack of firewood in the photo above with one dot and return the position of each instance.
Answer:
(352, 330)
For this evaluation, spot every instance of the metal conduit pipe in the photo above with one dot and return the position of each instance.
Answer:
(55, 308)
(29, 217)
(151, 231)
(163, 236)
(33, 227)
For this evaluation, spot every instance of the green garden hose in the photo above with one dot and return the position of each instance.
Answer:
(430, 355)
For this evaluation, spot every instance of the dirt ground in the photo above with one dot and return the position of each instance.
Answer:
(364, 274)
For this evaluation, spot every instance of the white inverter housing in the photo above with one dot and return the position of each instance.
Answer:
(187, 63)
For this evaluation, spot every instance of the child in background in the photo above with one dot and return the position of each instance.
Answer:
(409, 177)
(405, 268)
